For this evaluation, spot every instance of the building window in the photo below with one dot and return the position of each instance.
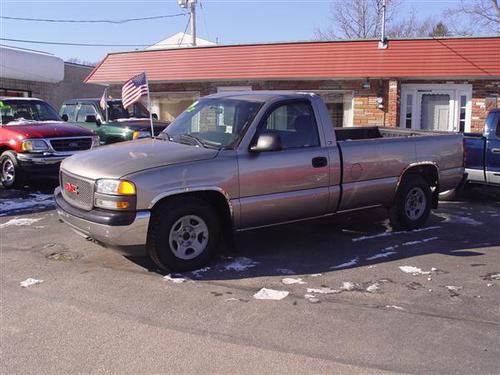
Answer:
(409, 106)
(463, 108)
(17, 93)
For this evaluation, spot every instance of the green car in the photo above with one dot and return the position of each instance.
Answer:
(117, 125)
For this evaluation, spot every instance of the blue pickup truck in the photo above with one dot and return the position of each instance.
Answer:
(482, 152)
(481, 157)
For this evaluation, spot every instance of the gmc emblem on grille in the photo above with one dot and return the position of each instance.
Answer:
(71, 188)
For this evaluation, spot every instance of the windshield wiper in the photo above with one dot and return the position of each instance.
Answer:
(191, 138)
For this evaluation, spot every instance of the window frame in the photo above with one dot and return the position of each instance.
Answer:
(273, 107)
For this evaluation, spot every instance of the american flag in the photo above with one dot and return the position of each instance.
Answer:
(103, 101)
(133, 89)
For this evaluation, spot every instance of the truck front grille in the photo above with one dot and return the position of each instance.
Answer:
(71, 144)
(77, 191)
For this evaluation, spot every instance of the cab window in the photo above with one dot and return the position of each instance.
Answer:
(68, 110)
(84, 111)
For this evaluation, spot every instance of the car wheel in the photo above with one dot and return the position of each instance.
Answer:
(412, 204)
(183, 235)
(10, 174)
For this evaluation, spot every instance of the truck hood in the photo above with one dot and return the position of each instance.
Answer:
(120, 159)
(48, 130)
(141, 125)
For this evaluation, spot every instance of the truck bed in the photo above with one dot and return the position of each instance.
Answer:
(373, 132)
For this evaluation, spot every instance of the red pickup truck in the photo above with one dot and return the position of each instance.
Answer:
(34, 140)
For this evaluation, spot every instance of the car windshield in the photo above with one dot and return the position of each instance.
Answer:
(213, 122)
(117, 112)
(14, 112)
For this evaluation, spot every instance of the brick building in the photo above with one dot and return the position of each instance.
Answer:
(35, 74)
(427, 83)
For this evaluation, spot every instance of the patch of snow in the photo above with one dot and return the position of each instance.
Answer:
(394, 307)
(425, 229)
(20, 222)
(271, 294)
(232, 299)
(240, 264)
(415, 271)
(372, 266)
(381, 255)
(291, 280)
(35, 200)
(489, 284)
(197, 273)
(175, 280)
(348, 286)
(352, 262)
(411, 243)
(311, 298)
(315, 275)
(373, 288)
(285, 271)
(387, 233)
(454, 219)
(323, 290)
(29, 282)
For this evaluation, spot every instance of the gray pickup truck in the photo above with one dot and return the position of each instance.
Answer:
(238, 161)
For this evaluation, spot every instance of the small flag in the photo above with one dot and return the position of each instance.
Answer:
(103, 102)
(133, 89)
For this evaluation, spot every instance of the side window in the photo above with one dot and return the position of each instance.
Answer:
(85, 110)
(68, 110)
(294, 123)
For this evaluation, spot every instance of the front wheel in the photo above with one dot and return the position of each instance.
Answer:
(184, 234)
(10, 173)
(412, 204)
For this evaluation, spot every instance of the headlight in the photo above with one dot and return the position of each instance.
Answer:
(115, 194)
(95, 141)
(115, 187)
(140, 134)
(34, 145)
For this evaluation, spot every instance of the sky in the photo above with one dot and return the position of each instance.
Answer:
(228, 22)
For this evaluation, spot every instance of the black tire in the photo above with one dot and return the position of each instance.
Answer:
(412, 204)
(167, 244)
(11, 174)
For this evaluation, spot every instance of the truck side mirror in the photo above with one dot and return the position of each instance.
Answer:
(267, 142)
(154, 116)
(93, 118)
(65, 117)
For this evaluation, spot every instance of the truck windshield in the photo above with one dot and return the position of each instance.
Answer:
(117, 112)
(15, 112)
(216, 122)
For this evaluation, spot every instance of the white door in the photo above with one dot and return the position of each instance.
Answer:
(435, 109)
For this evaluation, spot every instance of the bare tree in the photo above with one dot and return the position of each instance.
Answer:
(357, 19)
(484, 16)
(76, 60)
(360, 19)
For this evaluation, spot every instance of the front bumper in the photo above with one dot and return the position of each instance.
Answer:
(42, 164)
(108, 227)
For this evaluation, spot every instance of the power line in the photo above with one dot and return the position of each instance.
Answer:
(185, 30)
(93, 21)
(78, 44)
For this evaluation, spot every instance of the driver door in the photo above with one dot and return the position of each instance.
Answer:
(289, 184)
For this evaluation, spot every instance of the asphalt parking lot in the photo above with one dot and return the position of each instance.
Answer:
(361, 298)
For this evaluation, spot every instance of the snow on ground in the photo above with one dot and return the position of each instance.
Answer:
(455, 219)
(411, 243)
(323, 290)
(394, 307)
(415, 271)
(35, 201)
(387, 234)
(29, 282)
(197, 273)
(384, 253)
(373, 288)
(291, 280)
(20, 222)
(175, 280)
(352, 262)
(270, 294)
(240, 264)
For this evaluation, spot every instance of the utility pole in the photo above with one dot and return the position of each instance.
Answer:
(383, 41)
(191, 4)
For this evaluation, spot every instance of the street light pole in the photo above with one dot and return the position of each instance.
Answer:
(191, 4)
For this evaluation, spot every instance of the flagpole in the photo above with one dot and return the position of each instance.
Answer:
(149, 105)
(106, 103)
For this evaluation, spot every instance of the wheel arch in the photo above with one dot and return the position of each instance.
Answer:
(429, 170)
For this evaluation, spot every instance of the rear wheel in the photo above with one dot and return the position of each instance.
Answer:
(412, 204)
(184, 234)
(10, 174)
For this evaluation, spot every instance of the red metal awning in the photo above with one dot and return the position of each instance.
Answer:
(404, 58)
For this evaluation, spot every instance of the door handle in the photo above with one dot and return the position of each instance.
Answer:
(319, 162)
(495, 150)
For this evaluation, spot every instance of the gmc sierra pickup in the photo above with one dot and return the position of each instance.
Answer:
(238, 161)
